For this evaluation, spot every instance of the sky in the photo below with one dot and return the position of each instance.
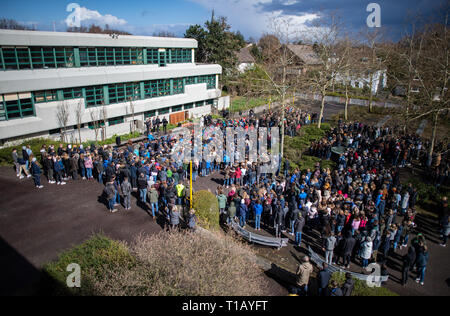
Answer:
(251, 17)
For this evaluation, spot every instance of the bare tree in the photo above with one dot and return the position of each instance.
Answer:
(132, 115)
(79, 117)
(104, 118)
(62, 115)
(95, 120)
(328, 34)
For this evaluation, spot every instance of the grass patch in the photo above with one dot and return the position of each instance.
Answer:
(361, 288)
(207, 209)
(244, 104)
(296, 146)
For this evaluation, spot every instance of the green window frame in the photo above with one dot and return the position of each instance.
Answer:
(94, 96)
(190, 80)
(72, 93)
(116, 120)
(150, 89)
(199, 104)
(188, 106)
(151, 113)
(177, 108)
(178, 86)
(163, 86)
(210, 81)
(45, 96)
(18, 108)
(210, 102)
(152, 56)
(91, 124)
(164, 111)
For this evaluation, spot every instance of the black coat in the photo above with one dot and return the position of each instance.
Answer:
(324, 277)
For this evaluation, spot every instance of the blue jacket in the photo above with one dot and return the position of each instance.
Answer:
(422, 259)
(258, 209)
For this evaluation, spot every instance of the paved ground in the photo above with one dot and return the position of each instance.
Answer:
(36, 225)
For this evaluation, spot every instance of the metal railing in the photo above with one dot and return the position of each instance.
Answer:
(259, 239)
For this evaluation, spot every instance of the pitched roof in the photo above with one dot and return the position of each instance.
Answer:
(244, 55)
(305, 53)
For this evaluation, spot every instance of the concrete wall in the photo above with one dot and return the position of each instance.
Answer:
(223, 103)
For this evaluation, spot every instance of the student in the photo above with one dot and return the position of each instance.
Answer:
(421, 263)
(303, 273)
(330, 243)
(36, 172)
(142, 186)
(349, 285)
(192, 220)
(126, 191)
(324, 277)
(175, 217)
(298, 229)
(153, 198)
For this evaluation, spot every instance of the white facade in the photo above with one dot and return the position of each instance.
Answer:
(25, 82)
(379, 77)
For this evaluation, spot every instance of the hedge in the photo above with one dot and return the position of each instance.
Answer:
(207, 209)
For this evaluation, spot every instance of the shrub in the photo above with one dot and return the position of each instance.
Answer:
(361, 288)
(177, 263)
(207, 209)
(95, 256)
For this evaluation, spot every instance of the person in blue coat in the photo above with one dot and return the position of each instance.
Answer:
(258, 209)
(36, 172)
(421, 263)
(242, 213)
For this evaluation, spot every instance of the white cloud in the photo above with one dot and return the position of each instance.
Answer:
(249, 17)
(83, 14)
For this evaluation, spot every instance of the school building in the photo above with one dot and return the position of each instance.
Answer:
(106, 82)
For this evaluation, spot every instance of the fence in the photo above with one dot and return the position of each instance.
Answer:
(376, 279)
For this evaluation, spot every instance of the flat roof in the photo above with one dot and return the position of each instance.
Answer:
(39, 38)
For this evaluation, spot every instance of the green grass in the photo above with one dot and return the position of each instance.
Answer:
(207, 209)
(361, 288)
(95, 256)
(243, 104)
(294, 148)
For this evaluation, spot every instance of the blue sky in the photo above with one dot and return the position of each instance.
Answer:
(251, 17)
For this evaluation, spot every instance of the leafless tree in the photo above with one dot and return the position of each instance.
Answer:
(327, 33)
(132, 115)
(95, 120)
(104, 118)
(79, 117)
(62, 115)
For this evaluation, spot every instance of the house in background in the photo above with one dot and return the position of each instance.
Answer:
(303, 59)
(245, 59)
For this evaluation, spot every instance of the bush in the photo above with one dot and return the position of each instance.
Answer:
(361, 288)
(35, 145)
(207, 209)
(296, 146)
(167, 264)
(95, 256)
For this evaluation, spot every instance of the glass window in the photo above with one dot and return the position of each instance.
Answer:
(18, 108)
(178, 86)
(164, 111)
(72, 93)
(115, 121)
(150, 114)
(94, 96)
(163, 87)
(45, 96)
(152, 56)
(188, 106)
(177, 108)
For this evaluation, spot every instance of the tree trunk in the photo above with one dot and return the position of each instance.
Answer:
(322, 107)
(346, 103)
(79, 133)
(433, 138)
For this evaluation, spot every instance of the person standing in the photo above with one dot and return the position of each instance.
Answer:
(445, 229)
(36, 172)
(324, 277)
(142, 186)
(126, 191)
(349, 285)
(154, 197)
(110, 193)
(421, 263)
(298, 229)
(330, 243)
(408, 260)
(258, 209)
(303, 273)
(366, 251)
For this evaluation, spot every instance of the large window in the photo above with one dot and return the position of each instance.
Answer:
(45, 96)
(180, 55)
(36, 57)
(177, 108)
(152, 56)
(109, 56)
(116, 120)
(210, 81)
(72, 93)
(150, 114)
(94, 96)
(18, 105)
(178, 87)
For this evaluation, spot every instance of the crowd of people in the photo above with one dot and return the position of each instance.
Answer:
(360, 211)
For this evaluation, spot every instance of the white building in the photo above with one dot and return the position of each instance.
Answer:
(245, 59)
(40, 71)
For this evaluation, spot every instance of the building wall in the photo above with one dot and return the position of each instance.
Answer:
(46, 118)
